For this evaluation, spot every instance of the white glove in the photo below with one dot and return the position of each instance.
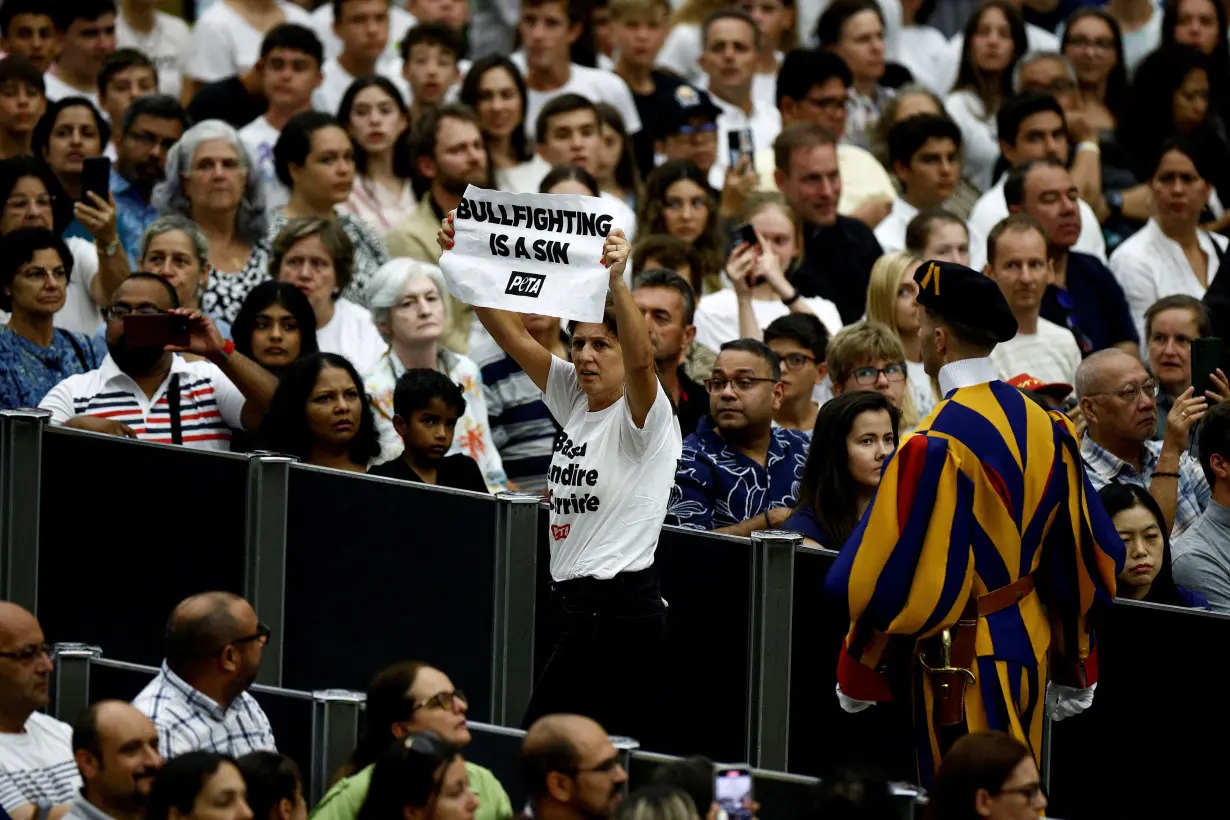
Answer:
(1066, 701)
(850, 704)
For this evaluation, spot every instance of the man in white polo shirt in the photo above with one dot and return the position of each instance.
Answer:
(147, 392)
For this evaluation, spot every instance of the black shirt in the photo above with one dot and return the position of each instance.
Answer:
(458, 471)
(837, 262)
(1092, 305)
(650, 107)
(227, 100)
(693, 404)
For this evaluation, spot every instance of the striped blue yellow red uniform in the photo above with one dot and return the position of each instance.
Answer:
(988, 489)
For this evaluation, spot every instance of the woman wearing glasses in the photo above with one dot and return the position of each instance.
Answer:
(869, 356)
(990, 775)
(404, 700)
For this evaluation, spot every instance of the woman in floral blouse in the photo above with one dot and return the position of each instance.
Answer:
(408, 306)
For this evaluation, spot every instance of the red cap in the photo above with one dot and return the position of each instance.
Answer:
(1027, 382)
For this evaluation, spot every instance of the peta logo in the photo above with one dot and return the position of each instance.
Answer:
(525, 284)
(560, 533)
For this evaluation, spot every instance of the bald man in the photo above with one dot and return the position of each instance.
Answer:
(36, 756)
(571, 769)
(116, 749)
(1118, 398)
(200, 700)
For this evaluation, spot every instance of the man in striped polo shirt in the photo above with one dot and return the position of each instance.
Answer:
(154, 394)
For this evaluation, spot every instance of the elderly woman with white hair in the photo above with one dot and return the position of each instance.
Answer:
(210, 179)
(408, 304)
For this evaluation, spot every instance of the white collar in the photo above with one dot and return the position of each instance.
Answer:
(966, 373)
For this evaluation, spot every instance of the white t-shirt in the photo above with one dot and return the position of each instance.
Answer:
(592, 83)
(609, 480)
(1051, 354)
(37, 765)
(765, 121)
(764, 86)
(717, 315)
(258, 138)
(168, 45)
(890, 233)
(224, 44)
(336, 82)
(680, 52)
(57, 89)
(400, 23)
(979, 132)
(352, 333)
(80, 313)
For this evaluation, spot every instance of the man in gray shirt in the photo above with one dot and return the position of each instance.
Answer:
(1202, 553)
(116, 749)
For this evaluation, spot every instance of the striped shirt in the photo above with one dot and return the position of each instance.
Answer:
(189, 721)
(1193, 495)
(37, 765)
(209, 404)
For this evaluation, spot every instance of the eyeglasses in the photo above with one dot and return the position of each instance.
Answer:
(39, 274)
(23, 203)
(1097, 44)
(1029, 792)
(741, 384)
(828, 104)
(604, 767)
(117, 312)
(148, 140)
(869, 375)
(1131, 391)
(262, 636)
(443, 700)
(29, 653)
(797, 361)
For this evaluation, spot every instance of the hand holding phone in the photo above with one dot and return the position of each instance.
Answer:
(158, 330)
(1207, 354)
(744, 234)
(739, 145)
(96, 179)
(732, 789)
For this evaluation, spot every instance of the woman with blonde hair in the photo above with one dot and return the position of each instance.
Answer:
(657, 802)
(892, 297)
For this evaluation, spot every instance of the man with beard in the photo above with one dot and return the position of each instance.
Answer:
(116, 748)
(36, 757)
(571, 770)
(199, 701)
(668, 304)
(151, 125)
(144, 390)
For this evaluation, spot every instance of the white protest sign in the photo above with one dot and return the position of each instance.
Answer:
(530, 253)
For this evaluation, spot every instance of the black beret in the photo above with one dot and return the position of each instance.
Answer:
(963, 295)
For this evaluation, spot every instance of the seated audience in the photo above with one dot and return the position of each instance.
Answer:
(657, 802)
(211, 180)
(855, 434)
(560, 750)
(35, 270)
(127, 75)
(275, 786)
(321, 415)
(892, 298)
(27, 30)
(616, 169)
(854, 31)
(738, 472)
(145, 390)
(869, 356)
(638, 29)
(360, 40)
(199, 785)
(668, 304)
(315, 255)
(116, 749)
(429, 54)
(36, 756)
(694, 777)
(1202, 553)
(85, 34)
(405, 700)
(24, 101)
(378, 119)
(275, 326)
(199, 700)
(676, 201)
(495, 90)
(1147, 573)
(1017, 261)
(661, 250)
(987, 774)
(1171, 323)
(422, 776)
(165, 38)
(799, 340)
(1118, 400)
(940, 236)
(685, 128)
(410, 308)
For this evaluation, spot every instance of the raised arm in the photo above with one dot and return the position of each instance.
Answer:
(640, 378)
(506, 327)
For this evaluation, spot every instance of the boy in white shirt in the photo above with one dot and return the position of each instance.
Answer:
(126, 75)
(430, 54)
(27, 30)
(85, 30)
(362, 28)
(162, 37)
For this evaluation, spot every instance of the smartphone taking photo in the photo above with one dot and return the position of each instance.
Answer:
(156, 330)
(732, 789)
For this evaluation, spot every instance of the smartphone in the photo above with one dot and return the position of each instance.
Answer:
(155, 330)
(96, 178)
(732, 789)
(743, 233)
(1207, 353)
(740, 145)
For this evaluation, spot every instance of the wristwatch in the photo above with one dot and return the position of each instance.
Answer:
(796, 297)
(111, 248)
(1114, 201)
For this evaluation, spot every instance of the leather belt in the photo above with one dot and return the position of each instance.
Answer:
(1005, 597)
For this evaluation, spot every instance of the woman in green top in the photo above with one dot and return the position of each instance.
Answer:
(420, 778)
(404, 699)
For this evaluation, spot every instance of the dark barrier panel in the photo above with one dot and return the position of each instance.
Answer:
(501, 753)
(701, 704)
(379, 571)
(127, 531)
(1152, 745)
(822, 735)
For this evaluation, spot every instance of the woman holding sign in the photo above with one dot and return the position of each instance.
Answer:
(610, 477)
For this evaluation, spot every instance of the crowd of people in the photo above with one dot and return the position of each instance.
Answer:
(226, 233)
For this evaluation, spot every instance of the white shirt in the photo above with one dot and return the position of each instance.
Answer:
(991, 209)
(1141, 43)
(765, 122)
(80, 312)
(717, 315)
(378, 206)
(259, 137)
(919, 385)
(680, 53)
(1150, 265)
(336, 81)
(925, 52)
(210, 405)
(808, 14)
(591, 83)
(978, 131)
(1036, 39)
(224, 44)
(1051, 354)
(57, 89)
(189, 721)
(609, 480)
(352, 333)
(890, 233)
(400, 23)
(168, 44)
(965, 373)
(862, 175)
(764, 86)
(37, 765)
(525, 178)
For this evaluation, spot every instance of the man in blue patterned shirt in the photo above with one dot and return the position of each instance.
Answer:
(151, 126)
(738, 472)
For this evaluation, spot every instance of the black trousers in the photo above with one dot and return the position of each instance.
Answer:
(606, 658)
